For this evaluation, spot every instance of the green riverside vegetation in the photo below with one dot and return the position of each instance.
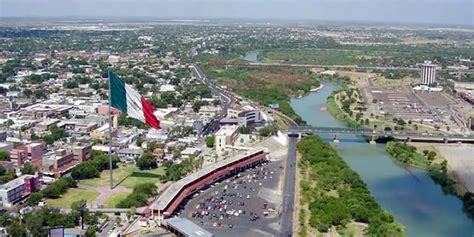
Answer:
(336, 195)
(271, 85)
(406, 154)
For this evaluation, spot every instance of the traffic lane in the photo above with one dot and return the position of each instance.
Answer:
(215, 208)
(289, 189)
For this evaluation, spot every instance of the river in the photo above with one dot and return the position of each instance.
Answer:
(252, 56)
(408, 193)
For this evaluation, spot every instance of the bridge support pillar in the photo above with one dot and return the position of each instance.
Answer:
(372, 140)
(335, 139)
(408, 139)
(445, 140)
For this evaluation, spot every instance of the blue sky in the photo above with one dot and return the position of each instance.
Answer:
(459, 12)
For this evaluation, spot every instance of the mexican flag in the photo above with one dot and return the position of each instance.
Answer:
(126, 99)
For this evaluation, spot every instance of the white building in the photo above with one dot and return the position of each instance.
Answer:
(428, 73)
(167, 87)
(226, 136)
(129, 155)
(17, 189)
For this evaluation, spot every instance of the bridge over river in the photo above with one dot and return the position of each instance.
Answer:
(411, 136)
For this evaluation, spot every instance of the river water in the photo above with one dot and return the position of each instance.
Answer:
(408, 193)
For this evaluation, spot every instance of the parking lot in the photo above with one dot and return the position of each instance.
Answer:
(247, 204)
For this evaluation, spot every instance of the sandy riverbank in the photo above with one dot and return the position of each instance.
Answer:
(460, 160)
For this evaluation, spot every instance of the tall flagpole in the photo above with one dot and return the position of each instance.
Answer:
(110, 132)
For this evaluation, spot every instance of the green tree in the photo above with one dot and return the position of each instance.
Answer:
(34, 198)
(431, 155)
(4, 155)
(28, 168)
(210, 140)
(147, 161)
(268, 131)
(15, 228)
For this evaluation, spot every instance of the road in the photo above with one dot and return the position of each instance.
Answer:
(334, 67)
(226, 98)
(395, 134)
(289, 189)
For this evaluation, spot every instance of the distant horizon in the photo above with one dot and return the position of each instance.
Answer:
(125, 19)
(429, 12)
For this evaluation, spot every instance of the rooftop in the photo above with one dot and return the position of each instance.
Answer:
(15, 183)
(227, 130)
(162, 202)
(187, 227)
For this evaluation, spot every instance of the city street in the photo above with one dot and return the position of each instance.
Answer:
(226, 99)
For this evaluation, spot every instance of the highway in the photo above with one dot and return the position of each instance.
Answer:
(289, 189)
(334, 67)
(226, 99)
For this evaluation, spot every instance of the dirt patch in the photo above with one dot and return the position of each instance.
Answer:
(272, 79)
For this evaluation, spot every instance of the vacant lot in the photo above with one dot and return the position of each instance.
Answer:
(127, 176)
(115, 199)
(71, 196)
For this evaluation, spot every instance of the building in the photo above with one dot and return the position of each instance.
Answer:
(460, 86)
(19, 156)
(31, 152)
(226, 136)
(249, 117)
(82, 152)
(177, 192)
(58, 163)
(129, 155)
(17, 189)
(428, 73)
(102, 133)
(183, 227)
(167, 87)
(3, 136)
(208, 110)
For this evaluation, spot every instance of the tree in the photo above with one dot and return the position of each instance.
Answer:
(151, 146)
(425, 152)
(268, 131)
(245, 130)
(431, 155)
(34, 198)
(33, 136)
(15, 228)
(9, 122)
(147, 161)
(28, 168)
(210, 140)
(3, 171)
(4, 155)
(139, 141)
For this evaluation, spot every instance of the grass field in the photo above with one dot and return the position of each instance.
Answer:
(127, 176)
(114, 200)
(71, 196)
(318, 56)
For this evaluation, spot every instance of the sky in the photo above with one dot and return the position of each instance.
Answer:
(441, 12)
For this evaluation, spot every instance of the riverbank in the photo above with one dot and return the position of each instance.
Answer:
(337, 199)
(460, 164)
(335, 110)
(438, 171)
